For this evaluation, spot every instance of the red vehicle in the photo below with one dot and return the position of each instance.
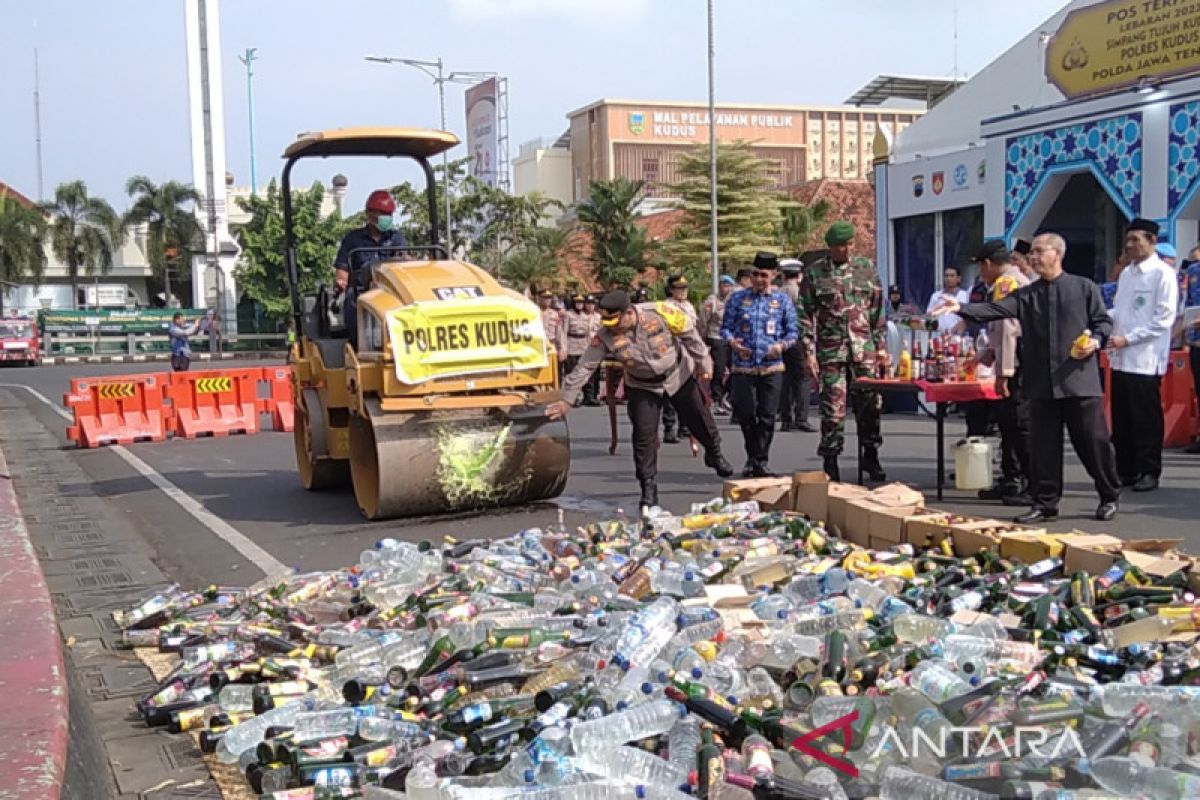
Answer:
(19, 341)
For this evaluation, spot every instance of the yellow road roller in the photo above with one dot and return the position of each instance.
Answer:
(441, 408)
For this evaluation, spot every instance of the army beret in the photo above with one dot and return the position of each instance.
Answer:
(839, 232)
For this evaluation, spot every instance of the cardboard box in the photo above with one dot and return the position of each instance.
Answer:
(839, 496)
(927, 529)
(1030, 546)
(1092, 553)
(898, 495)
(1154, 564)
(811, 495)
(889, 524)
(858, 520)
(772, 494)
(976, 535)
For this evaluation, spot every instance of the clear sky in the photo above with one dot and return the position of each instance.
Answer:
(114, 74)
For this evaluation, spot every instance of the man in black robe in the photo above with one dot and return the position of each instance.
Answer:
(1061, 376)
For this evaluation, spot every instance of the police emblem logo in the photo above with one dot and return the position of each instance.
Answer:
(939, 182)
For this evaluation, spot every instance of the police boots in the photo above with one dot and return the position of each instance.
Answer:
(871, 465)
(831, 468)
(715, 461)
(649, 495)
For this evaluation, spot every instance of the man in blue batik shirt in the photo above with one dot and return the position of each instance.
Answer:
(760, 325)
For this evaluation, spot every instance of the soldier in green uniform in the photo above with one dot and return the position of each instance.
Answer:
(844, 333)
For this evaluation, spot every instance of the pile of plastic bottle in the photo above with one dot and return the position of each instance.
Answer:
(727, 654)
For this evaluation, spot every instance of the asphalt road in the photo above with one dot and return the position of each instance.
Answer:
(249, 482)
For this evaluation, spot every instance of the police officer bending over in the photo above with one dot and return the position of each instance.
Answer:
(662, 355)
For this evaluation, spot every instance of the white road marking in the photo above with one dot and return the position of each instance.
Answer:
(220, 528)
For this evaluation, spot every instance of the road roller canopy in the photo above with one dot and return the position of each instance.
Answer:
(378, 142)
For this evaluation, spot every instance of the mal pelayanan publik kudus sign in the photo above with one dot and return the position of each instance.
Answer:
(1114, 45)
(483, 131)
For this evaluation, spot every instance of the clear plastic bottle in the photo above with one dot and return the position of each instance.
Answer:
(678, 580)
(773, 607)
(788, 648)
(957, 646)
(317, 725)
(867, 594)
(646, 633)
(1119, 699)
(248, 734)
(648, 719)
(937, 682)
(805, 589)
(900, 783)
(683, 742)
(821, 625)
(918, 628)
(632, 764)
(917, 714)
(368, 653)
(236, 697)
(1127, 777)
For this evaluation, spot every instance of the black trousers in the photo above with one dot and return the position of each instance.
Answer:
(793, 402)
(1084, 418)
(978, 414)
(644, 410)
(719, 386)
(1137, 424)
(1012, 415)
(671, 422)
(755, 404)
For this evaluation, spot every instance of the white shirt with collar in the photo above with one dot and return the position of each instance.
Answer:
(946, 322)
(1143, 312)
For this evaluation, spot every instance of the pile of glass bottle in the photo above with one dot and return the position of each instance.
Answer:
(725, 654)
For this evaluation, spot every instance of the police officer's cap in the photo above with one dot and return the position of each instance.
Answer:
(993, 250)
(744, 272)
(791, 266)
(591, 298)
(577, 297)
(612, 306)
(545, 293)
(677, 282)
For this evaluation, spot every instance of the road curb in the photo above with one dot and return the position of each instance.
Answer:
(257, 355)
(34, 724)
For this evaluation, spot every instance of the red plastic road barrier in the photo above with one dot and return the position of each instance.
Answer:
(1180, 420)
(215, 402)
(117, 409)
(281, 404)
(33, 727)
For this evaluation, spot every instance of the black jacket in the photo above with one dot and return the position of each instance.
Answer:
(1052, 315)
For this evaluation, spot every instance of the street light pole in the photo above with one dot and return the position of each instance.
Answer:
(248, 60)
(435, 70)
(712, 155)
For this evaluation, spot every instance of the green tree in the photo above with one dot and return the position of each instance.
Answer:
(538, 259)
(748, 207)
(800, 224)
(261, 275)
(85, 233)
(22, 243)
(173, 233)
(621, 250)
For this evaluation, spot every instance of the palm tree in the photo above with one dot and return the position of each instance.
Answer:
(801, 224)
(22, 242)
(620, 249)
(84, 234)
(538, 261)
(172, 230)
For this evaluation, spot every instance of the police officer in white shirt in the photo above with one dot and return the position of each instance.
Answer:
(1143, 313)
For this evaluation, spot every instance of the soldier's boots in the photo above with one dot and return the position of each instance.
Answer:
(670, 436)
(871, 465)
(831, 468)
(649, 495)
(715, 461)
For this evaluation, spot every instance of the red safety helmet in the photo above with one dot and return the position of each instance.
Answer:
(382, 201)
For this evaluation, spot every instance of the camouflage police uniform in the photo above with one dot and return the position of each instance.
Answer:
(843, 324)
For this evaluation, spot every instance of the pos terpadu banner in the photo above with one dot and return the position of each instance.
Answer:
(456, 338)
